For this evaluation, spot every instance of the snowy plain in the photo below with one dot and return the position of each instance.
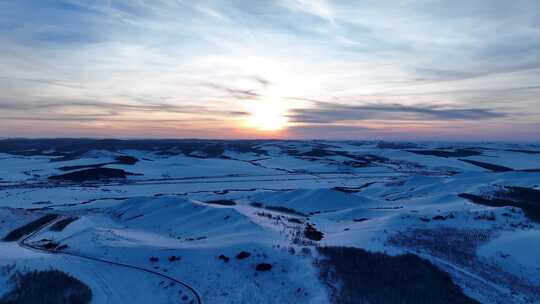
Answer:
(198, 205)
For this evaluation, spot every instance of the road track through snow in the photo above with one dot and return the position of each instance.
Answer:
(22, 243)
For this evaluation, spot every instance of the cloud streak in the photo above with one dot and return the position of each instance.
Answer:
(203, 62)
(106, 111)
(325, 113)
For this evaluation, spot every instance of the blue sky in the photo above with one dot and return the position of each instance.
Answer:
(412, 69)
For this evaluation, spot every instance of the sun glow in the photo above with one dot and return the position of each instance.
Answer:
(267, 115)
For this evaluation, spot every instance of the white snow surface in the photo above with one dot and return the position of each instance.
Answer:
(359, 194)
(312, 200)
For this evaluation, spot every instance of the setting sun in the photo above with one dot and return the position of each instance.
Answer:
(268, 116)
(286, 151)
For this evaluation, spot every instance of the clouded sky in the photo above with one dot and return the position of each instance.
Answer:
(410, 69)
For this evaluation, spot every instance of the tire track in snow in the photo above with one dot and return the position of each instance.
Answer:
(22, 243)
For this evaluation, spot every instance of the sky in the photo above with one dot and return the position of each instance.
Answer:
(308, 69)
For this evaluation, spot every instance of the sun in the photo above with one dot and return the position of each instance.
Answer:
(268, 115)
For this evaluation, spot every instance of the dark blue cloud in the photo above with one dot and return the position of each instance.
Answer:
(328, 113)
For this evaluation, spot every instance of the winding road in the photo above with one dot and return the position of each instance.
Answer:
(23, 242)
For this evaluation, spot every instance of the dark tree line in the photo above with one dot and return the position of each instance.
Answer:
(366, 277)
(47, 287)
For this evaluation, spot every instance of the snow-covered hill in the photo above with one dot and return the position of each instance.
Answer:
(172, 221)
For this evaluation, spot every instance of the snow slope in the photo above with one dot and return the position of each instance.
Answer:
(391, 200)
(312, 200)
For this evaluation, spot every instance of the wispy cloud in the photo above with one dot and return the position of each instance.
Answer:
(325, 113)
(193, 61)
(87, 110)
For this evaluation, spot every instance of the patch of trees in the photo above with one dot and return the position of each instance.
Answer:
(223, 202)
(310, 232)
(447, 153)
(50, 286)
(396, 145)
(243, 255)
(69, 149)
(359, 276)
(524, 151)
(277, 208)
(488, 166)
(92, 175)
(256, 204)
(263, 267)
(527, 199)
(174, 258)
(63, 223)
(120, 160)
(224, 258)
(26, 229)
(359, 220)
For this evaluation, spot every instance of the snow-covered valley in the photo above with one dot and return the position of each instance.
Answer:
(243, 221)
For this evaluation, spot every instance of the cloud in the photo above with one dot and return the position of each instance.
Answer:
(207, 60)
(240, 94)
(319, 8)
(327, 113)
(88, 110)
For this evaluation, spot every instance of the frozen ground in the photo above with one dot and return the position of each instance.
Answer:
(156, 234)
